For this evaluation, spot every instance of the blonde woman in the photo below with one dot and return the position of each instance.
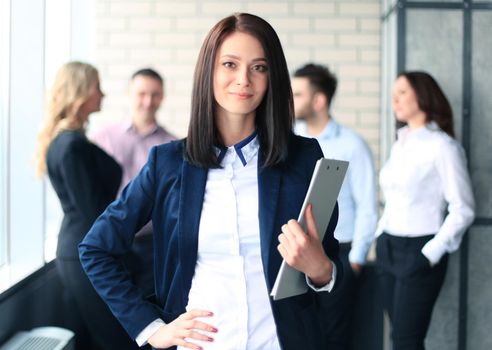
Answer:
(86, 180)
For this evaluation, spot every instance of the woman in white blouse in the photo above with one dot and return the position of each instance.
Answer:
(222, 204)
(428, 206)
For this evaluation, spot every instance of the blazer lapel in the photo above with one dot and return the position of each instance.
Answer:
(193, 184)
(268, 192)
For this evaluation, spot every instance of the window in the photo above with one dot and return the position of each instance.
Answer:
(57, 52)
(4, 44)
(35, 39)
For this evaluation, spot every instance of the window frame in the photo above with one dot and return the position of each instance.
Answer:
(29, 212)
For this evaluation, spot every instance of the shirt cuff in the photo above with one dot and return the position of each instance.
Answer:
(434, 250)
(357, 255)
(327, 287)
(149, 331)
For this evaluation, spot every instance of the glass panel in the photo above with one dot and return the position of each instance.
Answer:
(387, 127)
(25, 205)
(388, 5)
(389, 75)
(4, 98)
(57, 37)
(57, 52)
(479, 313)
(443, 330)
(481, 117)
(435, 44)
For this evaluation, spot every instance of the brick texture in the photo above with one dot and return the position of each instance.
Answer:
(166, 35)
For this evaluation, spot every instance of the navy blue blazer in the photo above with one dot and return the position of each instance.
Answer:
(86, 180)
(169, 190)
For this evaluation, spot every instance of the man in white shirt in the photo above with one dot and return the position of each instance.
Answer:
(314, 87)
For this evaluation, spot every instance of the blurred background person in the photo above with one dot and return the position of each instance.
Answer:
(313, 87)
(424, 177)
(86, 180)
(129, 142)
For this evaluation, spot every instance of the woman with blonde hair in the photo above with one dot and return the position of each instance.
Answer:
(86, 180)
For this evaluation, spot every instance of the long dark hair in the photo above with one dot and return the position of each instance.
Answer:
(431, 100)
(274, 115)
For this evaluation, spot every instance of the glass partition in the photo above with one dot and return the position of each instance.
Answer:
(434, 43)
(481, 112)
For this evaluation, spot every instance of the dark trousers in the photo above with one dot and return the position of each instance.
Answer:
(85, 304)
(409, 286)
(338, 306)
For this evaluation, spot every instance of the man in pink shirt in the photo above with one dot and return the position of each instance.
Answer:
(129, 143)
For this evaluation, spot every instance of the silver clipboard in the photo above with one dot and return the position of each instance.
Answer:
(322, 193)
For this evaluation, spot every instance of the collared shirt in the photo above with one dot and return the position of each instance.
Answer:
(357, 199)
(229, 279)
(128, 147)
(228, 266)
(424, 176)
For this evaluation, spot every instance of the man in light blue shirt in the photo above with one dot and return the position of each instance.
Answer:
(314, 87)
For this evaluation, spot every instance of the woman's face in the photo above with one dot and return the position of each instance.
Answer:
(240, 76)
(93, 101)
(405, 104)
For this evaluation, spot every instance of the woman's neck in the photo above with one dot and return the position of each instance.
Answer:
(417, 121)
(235, 128)
(80, 118)
(72, 123)
(414, 125)
(317, 123)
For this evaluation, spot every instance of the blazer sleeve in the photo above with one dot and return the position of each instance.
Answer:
(111, 236)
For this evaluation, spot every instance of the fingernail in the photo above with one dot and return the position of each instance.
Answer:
(210, 339)
(215, 330)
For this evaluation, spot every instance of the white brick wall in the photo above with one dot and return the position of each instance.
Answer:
(166, 35)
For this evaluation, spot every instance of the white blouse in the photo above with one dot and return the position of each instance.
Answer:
(426, 175)
(229, 279)
(228, 264)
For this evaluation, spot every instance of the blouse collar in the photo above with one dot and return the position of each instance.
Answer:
(245, 149)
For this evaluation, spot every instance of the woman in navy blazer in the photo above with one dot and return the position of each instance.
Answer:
(241, 96)
(86, 180)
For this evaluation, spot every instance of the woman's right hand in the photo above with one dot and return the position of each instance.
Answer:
(185, 326)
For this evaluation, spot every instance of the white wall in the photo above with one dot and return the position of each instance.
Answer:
(167, 35)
